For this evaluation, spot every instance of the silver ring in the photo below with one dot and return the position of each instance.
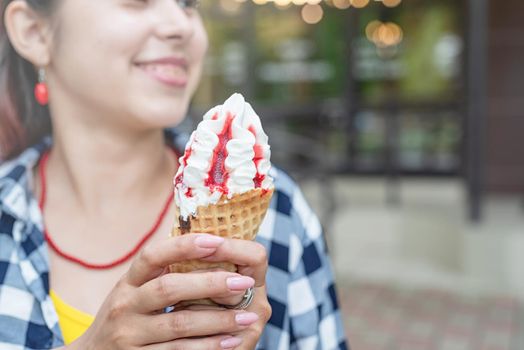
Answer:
(247, 299)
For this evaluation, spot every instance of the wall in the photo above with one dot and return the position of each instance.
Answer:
(505, 124)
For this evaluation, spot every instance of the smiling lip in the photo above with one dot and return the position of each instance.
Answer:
(172, 71)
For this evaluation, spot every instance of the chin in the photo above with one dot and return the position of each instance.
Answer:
(162, 113)
(163, 119)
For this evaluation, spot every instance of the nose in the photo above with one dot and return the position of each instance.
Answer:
(174, 22)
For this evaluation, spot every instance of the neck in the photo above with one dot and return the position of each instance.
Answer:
(100, 167)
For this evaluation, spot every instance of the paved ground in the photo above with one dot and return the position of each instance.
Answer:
(418, 274)
(381, 317)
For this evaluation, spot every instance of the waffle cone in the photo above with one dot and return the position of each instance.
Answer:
(238, 217)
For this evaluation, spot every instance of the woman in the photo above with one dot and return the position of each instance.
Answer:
(111, 76)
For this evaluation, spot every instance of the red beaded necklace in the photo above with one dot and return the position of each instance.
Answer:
(79, 261)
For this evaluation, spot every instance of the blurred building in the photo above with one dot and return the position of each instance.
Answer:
(386, 87)
(505, 125)
(425, 95)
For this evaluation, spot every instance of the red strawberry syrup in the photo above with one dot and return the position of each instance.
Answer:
(217, 176)
(259, 155)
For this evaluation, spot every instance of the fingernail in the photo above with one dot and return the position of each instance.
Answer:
(240, 283)
(208, 241)
(246, 318)
(229, 343)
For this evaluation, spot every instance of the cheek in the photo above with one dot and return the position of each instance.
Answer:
(95, 58)
(197, 52)
(95, 33)
(201, 42)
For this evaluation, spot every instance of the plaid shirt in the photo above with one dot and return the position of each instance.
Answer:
(300, 283)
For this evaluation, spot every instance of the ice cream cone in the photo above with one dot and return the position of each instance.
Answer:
(223, 186)
(238, 217)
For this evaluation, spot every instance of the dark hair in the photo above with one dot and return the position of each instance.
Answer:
(22, 120)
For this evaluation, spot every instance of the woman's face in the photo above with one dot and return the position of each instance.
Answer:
(137, 62)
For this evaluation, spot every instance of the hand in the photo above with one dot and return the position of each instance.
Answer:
(132, 315)
(251, 259)
(260, 306)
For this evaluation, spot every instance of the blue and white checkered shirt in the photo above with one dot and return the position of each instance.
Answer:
(300, 282)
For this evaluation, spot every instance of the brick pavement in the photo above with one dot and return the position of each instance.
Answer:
(381, 317)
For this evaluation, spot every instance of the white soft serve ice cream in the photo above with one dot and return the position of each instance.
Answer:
(227, 154)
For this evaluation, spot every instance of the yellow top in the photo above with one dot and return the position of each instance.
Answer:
(73, 322)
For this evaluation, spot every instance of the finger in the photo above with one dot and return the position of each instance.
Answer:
(171, 288)
(154, 258)
(251, 334)
(231, 300)
(239, 287)
(249, 256)
(216, 342)
(250, 338)
(186, 324)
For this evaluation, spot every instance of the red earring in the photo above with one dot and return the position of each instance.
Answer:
(41, 91)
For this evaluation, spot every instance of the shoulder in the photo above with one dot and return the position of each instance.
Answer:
(290, 228)
(289, 200)
(284, 183)
(16, 169)
(15, 192)
(285, 188)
